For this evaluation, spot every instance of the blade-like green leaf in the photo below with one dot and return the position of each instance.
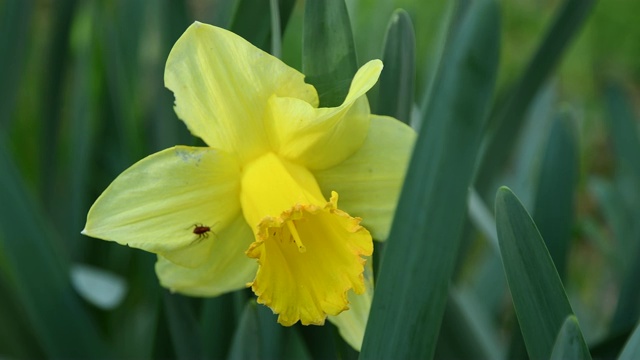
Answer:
(183, 327)
(246, 340)
(38, 272)
(16, 336)
(553, 211)
(626, 146)
(15, 19)
(538, 295)
(466, 333)
(396, 87)
(570, 343)
(258, 335)
(252, 21)
(422, 248)
(631, 349)
(508, 119)
(82, 118)
(218, 326)
(328, 53)
(624, 130)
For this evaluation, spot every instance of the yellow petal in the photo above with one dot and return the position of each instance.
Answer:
(155, 204)
(369, 182)
(222, 83)
(324, 137)
(226, 268)
(310, 253)
(352, 323)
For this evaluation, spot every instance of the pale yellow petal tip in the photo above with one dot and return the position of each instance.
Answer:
(376, 65)
(365, 78)
(290, 281)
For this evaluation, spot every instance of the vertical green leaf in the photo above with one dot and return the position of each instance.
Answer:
(569, 343)
(626, 146)
(258, 335)
(396, 87)
(51, 98)
(508, 118)
(423, 244)
(538, 295)
(17, 339)
(218, 326)
(553, 211)
(183, 327)
(15, 19)
(328, 52)
(38, 272)
(252, 21)
(466, 332)
(82, 132)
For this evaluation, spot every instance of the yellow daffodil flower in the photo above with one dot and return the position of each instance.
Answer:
(286, 197)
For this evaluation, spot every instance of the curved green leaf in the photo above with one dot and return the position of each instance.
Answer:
(538, 295)
(570, 343)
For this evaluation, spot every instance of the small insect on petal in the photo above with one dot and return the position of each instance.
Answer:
(202, 231)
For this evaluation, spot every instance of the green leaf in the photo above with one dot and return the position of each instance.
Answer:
(72, 197)
(631, 349)
(553, 211)
(626, 146)
(15, 19)
(467, 332)
(218, 325)
(527, 156)
(259, 336)
(624, 130)
(570, 343)
(183, 327)
(39, 273)
(328, 52)
(508, 119)
(252, 20)
(423, 245)
(396, 87)
(538, 295)
(16, 337)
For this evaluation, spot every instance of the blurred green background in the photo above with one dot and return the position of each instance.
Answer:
(82, 98)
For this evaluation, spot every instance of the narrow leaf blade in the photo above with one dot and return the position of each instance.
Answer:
(553, 212)
(34, 265)
(396, 88)
(423, 244)
(183, 326)
(328, 52)
(538, 295)
(509, 118)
